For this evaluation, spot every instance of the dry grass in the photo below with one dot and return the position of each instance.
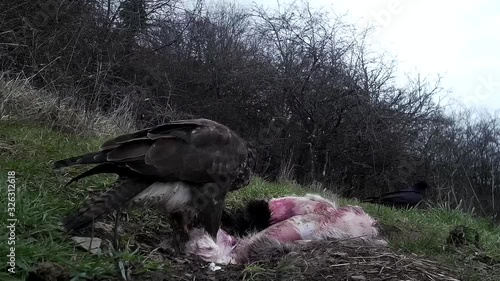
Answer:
(286, 171)
(354, 260)
(21, 102)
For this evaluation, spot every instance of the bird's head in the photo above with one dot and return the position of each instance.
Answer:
(246, 168)
(420, 186)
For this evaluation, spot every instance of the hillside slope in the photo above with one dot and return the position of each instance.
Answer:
(417, 238)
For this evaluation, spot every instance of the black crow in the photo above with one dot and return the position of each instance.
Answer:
(408, 197)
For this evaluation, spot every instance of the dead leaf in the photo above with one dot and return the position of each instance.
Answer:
(91, 244)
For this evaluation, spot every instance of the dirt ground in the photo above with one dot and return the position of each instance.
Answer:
(319, 261)
(323, 260)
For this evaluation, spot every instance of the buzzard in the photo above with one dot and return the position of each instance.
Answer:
(184, 168)
(407, 197)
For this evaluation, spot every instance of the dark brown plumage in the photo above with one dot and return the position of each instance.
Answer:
(184, 168)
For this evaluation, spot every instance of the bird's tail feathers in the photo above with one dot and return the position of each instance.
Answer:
(122, 192)
(371, 199)
(90, 158)
(106, 168)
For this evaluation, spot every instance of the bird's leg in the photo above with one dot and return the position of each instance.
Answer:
(116, 241)
(210, 216)
(181, 229)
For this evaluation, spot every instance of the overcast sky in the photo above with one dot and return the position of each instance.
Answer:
(459, 40)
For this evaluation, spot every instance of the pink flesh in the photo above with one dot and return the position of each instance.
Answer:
(287, 207)
(283, 232)
(293, 218)
(282, 209)
(317, 219)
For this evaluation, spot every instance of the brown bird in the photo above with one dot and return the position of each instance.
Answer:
(184, 168)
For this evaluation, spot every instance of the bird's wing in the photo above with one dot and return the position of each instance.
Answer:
(197, 150)
(206, 152)
(163, 130)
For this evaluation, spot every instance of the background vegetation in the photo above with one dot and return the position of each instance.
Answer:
(321, 105)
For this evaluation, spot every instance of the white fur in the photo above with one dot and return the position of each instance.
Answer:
(357, 225)
(202, 245)
(306, 225)
(285, 207)
(168, 196)
(316, 197)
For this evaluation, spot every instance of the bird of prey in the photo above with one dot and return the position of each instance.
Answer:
(184, 168)
(408, 197)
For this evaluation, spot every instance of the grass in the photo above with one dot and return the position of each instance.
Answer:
(22, 102)
(42, 199)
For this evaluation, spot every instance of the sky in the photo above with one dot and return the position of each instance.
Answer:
(459, 40)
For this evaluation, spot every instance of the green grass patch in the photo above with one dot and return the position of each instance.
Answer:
(41, 200)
